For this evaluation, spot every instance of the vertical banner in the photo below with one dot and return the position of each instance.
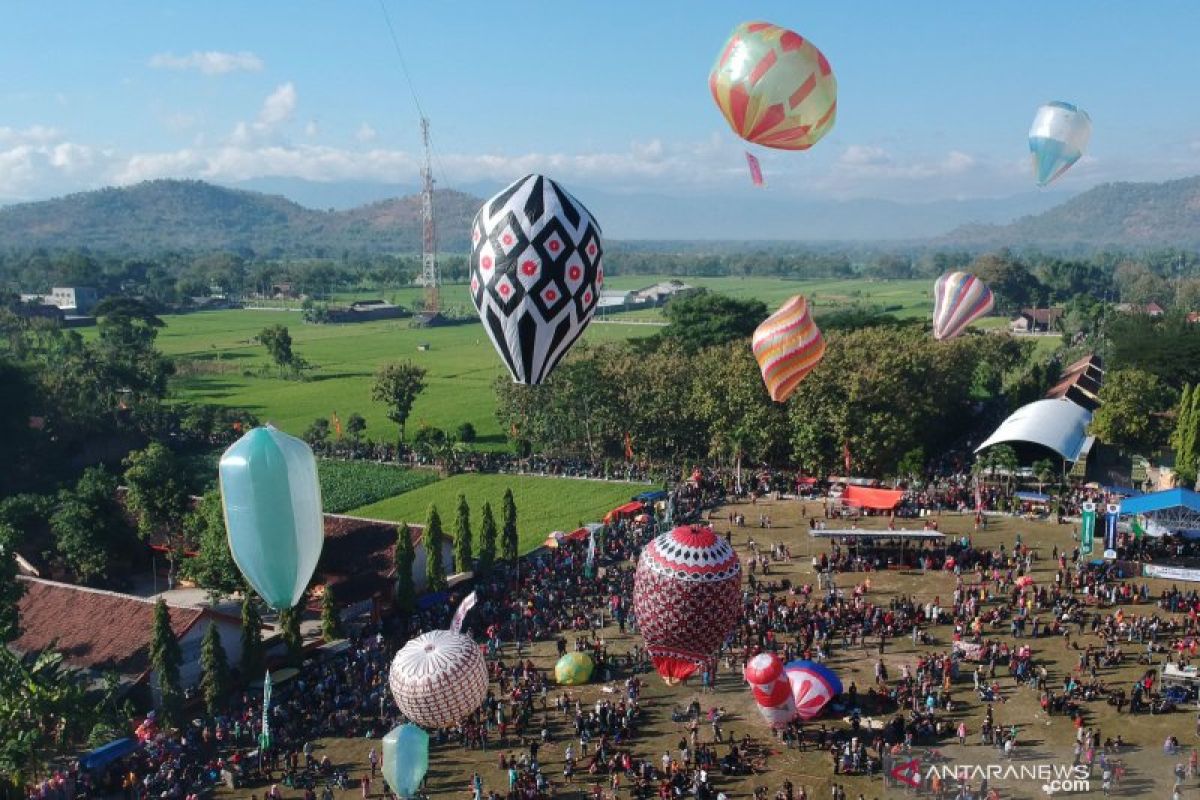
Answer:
(756, 176)
(1112, 513)
(1087, 529)
(264, 738)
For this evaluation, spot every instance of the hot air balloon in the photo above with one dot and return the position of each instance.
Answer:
(573, 669)
(438, 678)
(787, 345)
(1057, 138)
(959, 299)
(272, 502)
(770, 688)
(773, 87)
(813, 686)
(536, 274)
(687, 595)
(405, 759)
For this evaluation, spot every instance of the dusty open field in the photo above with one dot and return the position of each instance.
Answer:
(1042, 740)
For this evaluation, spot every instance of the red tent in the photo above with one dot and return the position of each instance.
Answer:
(627, 510)
(877, 499)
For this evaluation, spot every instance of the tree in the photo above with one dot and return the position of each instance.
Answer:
(1185, 440)
(462, 536)
(466, 433)
(214, 667)
(1132, 412)
(157, 497)
(435, 570)
(90, 529)
(317, 434)
(912, 464)
(278, 342)
(293, 639)
(1045, 471)
(397, 386)
(165, 659)
(127, 328)
(213, 567)
(704, 319)
(355, 425)
(1012, 285)
(509, 540)
(253, 657)
(403, 558)
(1003, 459)
(11, 589)
(487, 540)
(331, 620)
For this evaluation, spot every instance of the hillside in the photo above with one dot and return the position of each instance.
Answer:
(1124, 215)
(193, 215)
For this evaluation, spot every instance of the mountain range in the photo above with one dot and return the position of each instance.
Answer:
(264, 218)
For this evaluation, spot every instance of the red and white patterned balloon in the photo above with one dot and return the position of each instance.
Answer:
(770, 688)
(687, 596)
(438, 678)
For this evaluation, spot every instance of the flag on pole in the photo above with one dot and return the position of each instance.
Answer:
(1138, 527)
(591, 551)
(628, 447)
(463, 609)
(978, 498)
(846, 455)
(1087, 528)
(337, 425)
(756, 176)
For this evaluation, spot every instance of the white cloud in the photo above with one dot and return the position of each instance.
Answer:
(365, 133)
(857, 155)
(311, 129)
(278, 106)
(209, 62)
(34, 135)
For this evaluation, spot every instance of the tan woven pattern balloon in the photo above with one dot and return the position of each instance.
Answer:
(438, 679)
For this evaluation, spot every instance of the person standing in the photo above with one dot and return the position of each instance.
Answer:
(373, 758)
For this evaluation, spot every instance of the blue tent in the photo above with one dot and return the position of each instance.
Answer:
(1162, 501)
(1033, 497)
(651, 497)
(103, 756)
(1123, 491)
(433, 600)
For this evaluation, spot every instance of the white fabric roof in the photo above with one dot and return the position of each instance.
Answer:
(1059, 425)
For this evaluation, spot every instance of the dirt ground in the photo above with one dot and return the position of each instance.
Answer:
(1042, 740)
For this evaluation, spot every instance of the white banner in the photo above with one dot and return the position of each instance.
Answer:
(1170, 573)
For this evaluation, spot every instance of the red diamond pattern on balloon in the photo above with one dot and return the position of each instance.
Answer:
(508, 240)
(529, 269)
(575, 272)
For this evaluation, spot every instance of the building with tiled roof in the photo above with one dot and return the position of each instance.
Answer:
(98, 631)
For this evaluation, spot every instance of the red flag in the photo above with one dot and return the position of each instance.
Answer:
(628, 447)
(846, 455)
(337, 425)
(756, 175)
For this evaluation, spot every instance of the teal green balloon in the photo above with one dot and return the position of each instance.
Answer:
(272, 502)
(405, 759)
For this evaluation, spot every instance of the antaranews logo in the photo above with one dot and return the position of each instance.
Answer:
(1053, 777)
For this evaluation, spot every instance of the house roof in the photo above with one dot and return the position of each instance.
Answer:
(1058, 425)
(1042, 316)
(356, 560)
(92, 628)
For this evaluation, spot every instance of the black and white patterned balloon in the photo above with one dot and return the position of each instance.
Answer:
(536, 273)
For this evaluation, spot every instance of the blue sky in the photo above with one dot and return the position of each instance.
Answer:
(935, 98)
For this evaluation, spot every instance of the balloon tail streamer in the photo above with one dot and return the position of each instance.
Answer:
(756, 173)
(461, 613)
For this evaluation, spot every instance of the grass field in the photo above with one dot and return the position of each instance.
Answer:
(221, 363)
(543, 504)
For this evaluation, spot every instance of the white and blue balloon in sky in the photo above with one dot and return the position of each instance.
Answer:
(1057, 139)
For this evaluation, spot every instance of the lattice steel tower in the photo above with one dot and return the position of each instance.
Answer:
(431, 275)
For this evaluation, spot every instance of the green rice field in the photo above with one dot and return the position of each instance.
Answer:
(219, 361)
(543, 504)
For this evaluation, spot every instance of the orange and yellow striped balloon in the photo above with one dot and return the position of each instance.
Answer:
(774, 88)
(787, 346)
